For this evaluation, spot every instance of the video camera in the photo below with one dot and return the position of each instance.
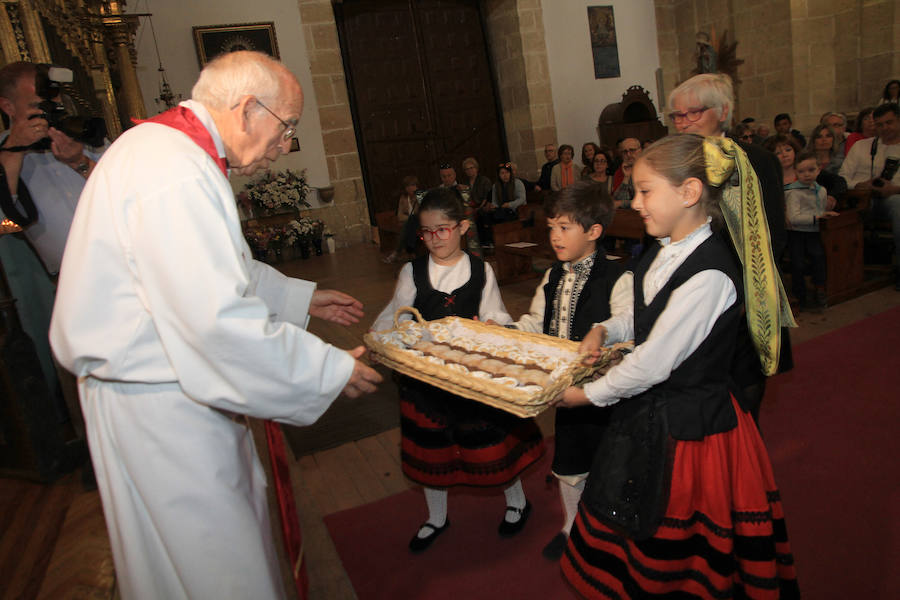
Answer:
(47, 83)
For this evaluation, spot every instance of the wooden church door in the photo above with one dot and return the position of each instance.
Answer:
(421, 91)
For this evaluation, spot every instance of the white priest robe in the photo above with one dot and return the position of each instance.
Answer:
(173, 330)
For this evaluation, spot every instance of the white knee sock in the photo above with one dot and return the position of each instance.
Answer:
(570, 495)
(437, 509)
(515, 498)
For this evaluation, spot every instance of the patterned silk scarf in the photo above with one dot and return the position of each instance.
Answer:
(767, 306)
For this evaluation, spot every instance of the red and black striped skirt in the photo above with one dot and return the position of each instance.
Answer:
(448, 440)
(723, 534)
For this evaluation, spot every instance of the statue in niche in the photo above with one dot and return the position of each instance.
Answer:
(721, 58)
(707, 57)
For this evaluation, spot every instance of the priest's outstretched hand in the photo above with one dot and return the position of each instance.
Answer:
(336, 307)
(364, 378)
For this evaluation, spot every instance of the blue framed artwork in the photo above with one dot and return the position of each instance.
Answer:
(605, 51)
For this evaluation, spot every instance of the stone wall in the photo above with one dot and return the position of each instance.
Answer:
(803, 57)
(519, 57)
(348, 213)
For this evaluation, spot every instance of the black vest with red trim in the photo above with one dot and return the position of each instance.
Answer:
(593, 302)
(464, 301)
(697, 394)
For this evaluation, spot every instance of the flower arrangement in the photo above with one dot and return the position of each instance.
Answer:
(304, 230)
(276, 192)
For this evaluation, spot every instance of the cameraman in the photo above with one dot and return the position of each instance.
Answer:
(39, 191)
(872, 164)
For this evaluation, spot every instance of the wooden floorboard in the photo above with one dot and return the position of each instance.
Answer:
(53, 540)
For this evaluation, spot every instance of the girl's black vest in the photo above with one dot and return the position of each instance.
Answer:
(593, 303)
(461, 302)
(629, 481)
(697, 394)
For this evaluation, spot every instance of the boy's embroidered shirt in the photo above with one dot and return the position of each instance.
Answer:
(568, 290)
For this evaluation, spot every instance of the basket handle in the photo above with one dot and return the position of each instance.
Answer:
(407, 309)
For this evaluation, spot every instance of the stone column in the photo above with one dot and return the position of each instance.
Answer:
(348, 215)
(519, 55)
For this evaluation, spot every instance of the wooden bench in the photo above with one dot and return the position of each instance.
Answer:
(389, 229)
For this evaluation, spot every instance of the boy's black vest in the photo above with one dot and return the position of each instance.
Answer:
(697, 393)
(593, 303)
(461, 302)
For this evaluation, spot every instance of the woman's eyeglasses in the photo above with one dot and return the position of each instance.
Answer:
(692, 115)
(441, 233)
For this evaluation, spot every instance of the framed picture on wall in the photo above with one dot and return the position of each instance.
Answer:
(605, 51)
(212, 40)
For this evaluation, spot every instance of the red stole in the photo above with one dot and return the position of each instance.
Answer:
(184, 120)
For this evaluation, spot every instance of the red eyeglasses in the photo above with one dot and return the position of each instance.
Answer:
(441, 233)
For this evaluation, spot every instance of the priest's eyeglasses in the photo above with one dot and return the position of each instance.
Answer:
(289, 130)
(441, 233)
(692, 115)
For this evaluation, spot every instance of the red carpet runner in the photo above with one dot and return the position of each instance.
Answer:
(830, 426)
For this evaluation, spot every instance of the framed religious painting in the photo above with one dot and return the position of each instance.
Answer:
(604, 48)
(212, 40)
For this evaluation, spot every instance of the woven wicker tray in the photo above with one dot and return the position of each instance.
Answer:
(555, 355)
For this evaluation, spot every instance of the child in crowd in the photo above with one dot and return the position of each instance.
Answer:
(407, 206)
(448, 440)
(806, 202)
(680, 500)
(581, 289)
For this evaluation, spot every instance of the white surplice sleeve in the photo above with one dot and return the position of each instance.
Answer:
(201, 291)
(687, 319)
(288, 298)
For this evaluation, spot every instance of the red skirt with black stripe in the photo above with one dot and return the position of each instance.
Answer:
(448, 440)
(723, 534)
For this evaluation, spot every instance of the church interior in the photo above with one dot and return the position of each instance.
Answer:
(398, 88)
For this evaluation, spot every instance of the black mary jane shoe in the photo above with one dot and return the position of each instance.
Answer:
(420, 544)
(509, 529)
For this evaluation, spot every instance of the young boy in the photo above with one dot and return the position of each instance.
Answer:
(581, 290)
(806, 203)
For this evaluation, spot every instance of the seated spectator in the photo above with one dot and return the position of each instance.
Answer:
(806, 204)
(448, 179)
(623, 187)
(865, 128)
(753, 126)
(783, 125)
(543, 182)
(601, 171)
(786, 150)
(567, 171)
(507, 195)
(891, 94)
(867, 167)
(407, 216)
(742, 132)
(838, 123)
(824, 144)
(763, 132)
(478, 187)
(588, 151)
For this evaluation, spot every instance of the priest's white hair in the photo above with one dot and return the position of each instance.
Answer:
(231, 76)
(713, 90)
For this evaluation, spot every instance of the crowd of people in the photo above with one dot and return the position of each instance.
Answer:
(824, 150)
(177, 335)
